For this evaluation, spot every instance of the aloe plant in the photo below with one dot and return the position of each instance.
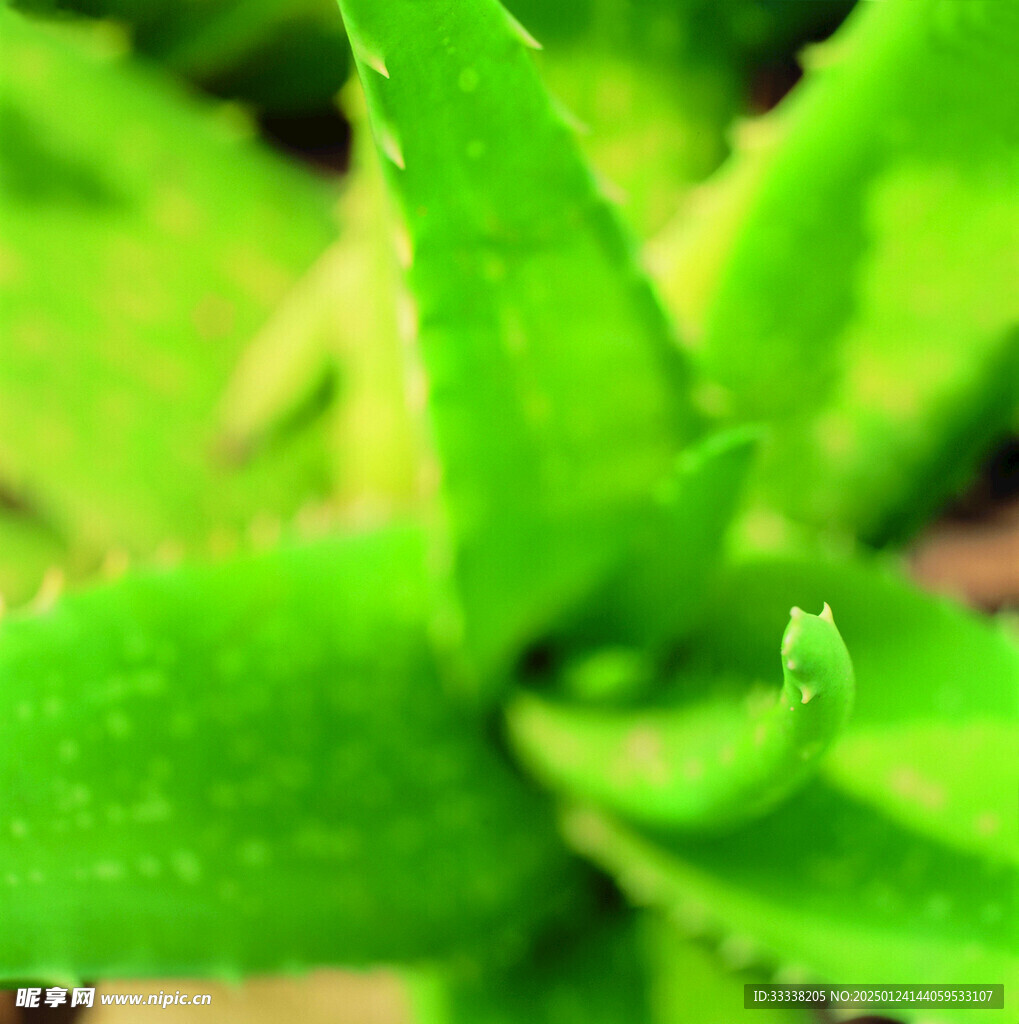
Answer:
(543, 741)
(892, 362)
(136, 273)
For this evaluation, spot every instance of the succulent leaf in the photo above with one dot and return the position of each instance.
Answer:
(698, 977)
(701, 767)
(652, 598)
(937, 706)
(879, 339)
(632, 967)
(828, 889)
(901, 849)
(255, 765)
(134, 272)
(556, 395)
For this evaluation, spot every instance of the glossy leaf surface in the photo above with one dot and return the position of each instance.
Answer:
(937, 708)
(256, 766)
(556, 397)
(899, 859)
(711, 764)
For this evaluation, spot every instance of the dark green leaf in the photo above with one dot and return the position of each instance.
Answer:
(600, 977)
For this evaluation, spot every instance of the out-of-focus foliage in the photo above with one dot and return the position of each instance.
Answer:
(353, 750)
(601, 978)
(142, 242)
(638, 968)
(336, 336)
(871, 316)
(655, 82)
(278, 55)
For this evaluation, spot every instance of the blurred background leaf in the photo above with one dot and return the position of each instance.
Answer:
(144, 240)
(866, 253)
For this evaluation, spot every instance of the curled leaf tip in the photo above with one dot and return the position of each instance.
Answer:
(816, 663)
(694, 767)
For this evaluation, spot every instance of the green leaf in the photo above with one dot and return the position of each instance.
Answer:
(599, 977)
(877, 335)
(255, 766)
(281, 55)
(338, 328)
(656, 591)
(825, 889)
(955, 781)
(936, 723)
(135, 270)
(632, 967)
(556, 397)
(697, 980)
(898, 860)
(713, 763)
(915, 654)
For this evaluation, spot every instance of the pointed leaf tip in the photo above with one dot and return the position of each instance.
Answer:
(704, 766)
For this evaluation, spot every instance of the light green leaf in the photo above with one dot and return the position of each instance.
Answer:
(955, 781)
(826, 889)
(937, 705)
(134, 269)
(699, 980)
(556, 396)
(898, 860)
(868, 302)
(711, 764)
(254, 765)
(916, 654)
(933, 736)
(338, 329)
